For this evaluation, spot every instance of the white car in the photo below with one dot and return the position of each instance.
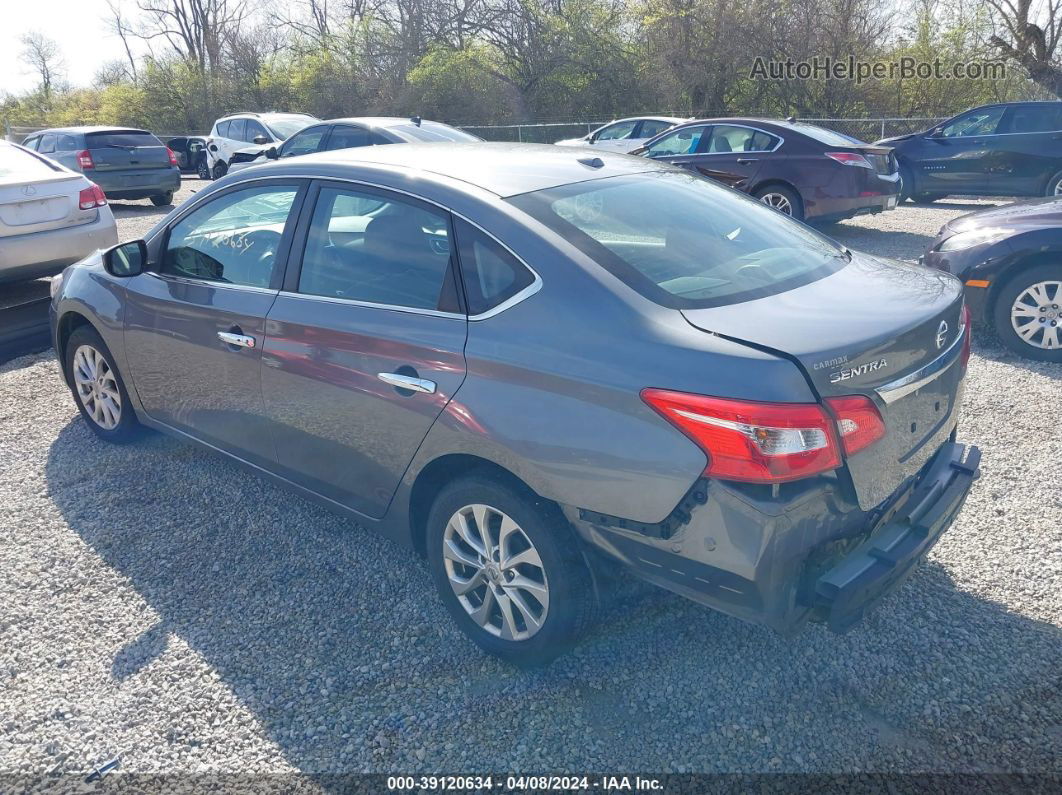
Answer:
(624, 135)
(50, 216)
(241, 130)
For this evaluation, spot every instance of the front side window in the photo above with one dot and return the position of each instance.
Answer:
(978, 122)
(303, 143)
(47, 144)
(381, 250)
(232, 239)
(730, 138)
(699, 245)
(617, 132)
(346, 137)
(31, 143)
(490, 273)
(255, 130)
(680, 142)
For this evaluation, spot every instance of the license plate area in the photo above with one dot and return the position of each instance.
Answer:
(890, 203)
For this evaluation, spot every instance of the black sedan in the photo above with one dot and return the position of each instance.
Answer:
(1007, 149)
(802, 170)
(1008, 258)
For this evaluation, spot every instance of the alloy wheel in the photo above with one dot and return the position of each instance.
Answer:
(1036, 315)
(97, 387)
(495, 572)
(1058, 188)
(778, 201)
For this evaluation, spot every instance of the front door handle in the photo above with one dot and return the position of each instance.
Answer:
(235, 339)
(409, 382)
(744, 161)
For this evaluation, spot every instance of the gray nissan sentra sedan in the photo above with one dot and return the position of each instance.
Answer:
(542, 368)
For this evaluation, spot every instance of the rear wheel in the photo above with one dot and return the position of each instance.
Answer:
(507, 567)
(783, 199)
(163, 199)
(906, 183)
(219, 170)
(202, 168)
(1054, 185)
(98, 388)
(1028, 313)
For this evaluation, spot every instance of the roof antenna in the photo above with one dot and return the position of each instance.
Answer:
(791, 119)
(416, 120)
(592, 162)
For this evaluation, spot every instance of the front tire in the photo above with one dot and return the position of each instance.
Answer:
(1054, 185)
(98, 389)
(507, 566)
(163, 199)
(1027, 313)
(783, 199)
(220, 169)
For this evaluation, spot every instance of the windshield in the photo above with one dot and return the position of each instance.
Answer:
(283, 127)
(682, 240)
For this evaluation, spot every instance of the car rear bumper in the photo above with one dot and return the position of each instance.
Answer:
(853, 191)
(137, 184)
(806, 553)
(44, 253)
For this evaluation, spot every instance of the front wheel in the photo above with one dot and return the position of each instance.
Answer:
(1028, 313)
(1054, 185)
(783, 199)
(163, 199)
(507, 567)
(98, 388)
(219, 170)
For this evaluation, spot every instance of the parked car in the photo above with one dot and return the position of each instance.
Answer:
(624, 135)
(126, 163)
(50, 216)
(1009, 259)
(434, 340)
(235, 131)
(351, 133)
(1007, 149)
(191, 154)
(799, 169)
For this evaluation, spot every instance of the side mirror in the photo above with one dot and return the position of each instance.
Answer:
(260, 139)
(936, 132)
(126, 259)
(272, 153)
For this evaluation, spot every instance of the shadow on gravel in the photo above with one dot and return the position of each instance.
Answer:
(879, 242)
(988, 347)
(333, 638)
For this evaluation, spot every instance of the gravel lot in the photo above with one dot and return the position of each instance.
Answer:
(162, 605)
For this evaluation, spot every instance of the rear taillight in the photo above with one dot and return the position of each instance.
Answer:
(173, 157)
(858, 421)
(84, 159)
(91, 197)
(967, 337)
(850, 159)
(753, 442)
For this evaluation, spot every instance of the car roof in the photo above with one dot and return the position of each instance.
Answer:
(90, 129)
(505, 169)
(382, 121)
(671, 119)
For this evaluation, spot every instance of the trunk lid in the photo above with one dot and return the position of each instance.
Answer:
(126, 149)
(42, 205)
(858, 331)
(880, 157)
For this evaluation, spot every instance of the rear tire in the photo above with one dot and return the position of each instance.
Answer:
(163, 199)
(202, 168)
(98, 388)
(1054, 185)
(783, 199)
(220, 169)
(525, 626)
(1016, 314)
(906, 184)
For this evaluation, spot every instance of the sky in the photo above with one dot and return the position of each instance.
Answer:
(78, 26)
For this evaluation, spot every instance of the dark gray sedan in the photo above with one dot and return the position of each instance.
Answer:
(542, 368)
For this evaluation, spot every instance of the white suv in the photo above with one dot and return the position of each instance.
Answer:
(240, 130)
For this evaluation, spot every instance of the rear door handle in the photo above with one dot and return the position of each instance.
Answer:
(236, 339)
(408, 382)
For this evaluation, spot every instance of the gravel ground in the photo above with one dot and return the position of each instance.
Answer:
(159, 604)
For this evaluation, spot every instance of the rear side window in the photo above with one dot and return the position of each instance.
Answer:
(66, 143)
(222, 129)
(732, 138)
(124, 139)
(232, 239)
(381, 250)
(1035, 118)
(490, 273)
(682, 240)
(19, 166)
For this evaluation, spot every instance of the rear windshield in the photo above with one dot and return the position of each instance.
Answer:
(683, 240)
(17, 165)
(432, 131)
(822, 135)
(121, 138)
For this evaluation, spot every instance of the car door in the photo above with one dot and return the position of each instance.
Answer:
(348, 136)
(615, 137)
(734, 154)
(365, 344)
(195, 323)
(956, 155)
(1028, 152)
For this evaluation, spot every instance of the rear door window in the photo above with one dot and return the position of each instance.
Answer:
(124, 139)
(652, 128)
(237, 129)
(732, 138)
(1034, 118)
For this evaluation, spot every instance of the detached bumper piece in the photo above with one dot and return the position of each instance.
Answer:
(845, 593)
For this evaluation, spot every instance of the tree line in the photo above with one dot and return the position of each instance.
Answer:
(509, 61)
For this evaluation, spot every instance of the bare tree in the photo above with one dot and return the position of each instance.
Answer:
(43, 56)
(125, 32)
(1029, 44)
(197, 30)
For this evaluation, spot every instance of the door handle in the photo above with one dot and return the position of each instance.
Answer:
(409, 382)
(744, 161)
(236, 339)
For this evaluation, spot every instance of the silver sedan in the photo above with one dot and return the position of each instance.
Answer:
(50, 216)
